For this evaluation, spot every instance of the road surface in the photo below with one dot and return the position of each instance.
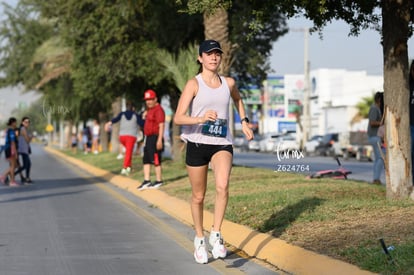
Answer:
(69, 222)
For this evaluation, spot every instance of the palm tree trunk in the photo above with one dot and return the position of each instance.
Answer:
(216, 26)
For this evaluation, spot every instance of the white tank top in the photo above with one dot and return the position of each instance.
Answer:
(207, 98)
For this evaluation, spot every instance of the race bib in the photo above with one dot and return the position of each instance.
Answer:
(217, 128)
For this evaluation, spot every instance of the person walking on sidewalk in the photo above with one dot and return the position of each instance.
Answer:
(209, 140)
(129, 126)
(96, 131)
(154, 127)
(374, 122)
(24, 139)
(11, 152)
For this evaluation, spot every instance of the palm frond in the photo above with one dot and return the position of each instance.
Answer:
(55, 59)
(182, 66)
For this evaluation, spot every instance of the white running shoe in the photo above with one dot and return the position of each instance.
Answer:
(120, 156)
(217, 243)
(200, 252)
(126, 171)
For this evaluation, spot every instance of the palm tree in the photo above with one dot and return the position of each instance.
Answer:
(54, 58)
(363, 108)
(364, 105)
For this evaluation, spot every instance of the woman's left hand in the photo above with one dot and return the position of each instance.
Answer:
(247, 131)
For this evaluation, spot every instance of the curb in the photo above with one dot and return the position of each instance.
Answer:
(277, 252)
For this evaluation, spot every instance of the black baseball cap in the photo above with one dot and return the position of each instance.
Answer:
(209, 45)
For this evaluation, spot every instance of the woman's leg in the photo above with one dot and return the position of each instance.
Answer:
(378, 162)
(27, 163)
(19, 168)
(13, 162)
(198, 180)
(221, 164)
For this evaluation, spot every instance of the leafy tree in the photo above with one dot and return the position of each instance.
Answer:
(171, 29)
(21, 34)
(254, 27)
(107, 44)
(99, 49)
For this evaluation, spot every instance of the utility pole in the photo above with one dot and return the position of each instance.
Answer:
(305, 117)
(306, 89)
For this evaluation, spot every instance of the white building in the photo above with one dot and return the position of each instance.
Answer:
(334, 94)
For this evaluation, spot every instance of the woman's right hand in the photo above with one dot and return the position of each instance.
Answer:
(108, 126)
(210, 115)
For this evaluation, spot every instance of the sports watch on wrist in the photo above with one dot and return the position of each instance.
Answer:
(245, 119)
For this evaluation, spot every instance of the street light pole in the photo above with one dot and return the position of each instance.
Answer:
(305, 118)
(306, 101)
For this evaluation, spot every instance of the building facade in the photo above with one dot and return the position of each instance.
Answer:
(333, 95)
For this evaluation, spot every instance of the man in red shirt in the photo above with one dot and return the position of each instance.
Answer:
(154, 143)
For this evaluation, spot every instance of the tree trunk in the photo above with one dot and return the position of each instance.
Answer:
(69, 134)
(103, 135)
(396, 16)
(116, 109)
(216, 26)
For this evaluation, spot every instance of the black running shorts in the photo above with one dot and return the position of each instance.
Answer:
(199, 154)
(151, 154)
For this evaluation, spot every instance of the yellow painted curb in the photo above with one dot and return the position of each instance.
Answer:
(279, 253)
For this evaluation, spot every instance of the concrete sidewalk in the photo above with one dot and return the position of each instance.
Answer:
(293, 259)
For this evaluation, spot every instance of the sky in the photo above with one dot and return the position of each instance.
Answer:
(336, 51)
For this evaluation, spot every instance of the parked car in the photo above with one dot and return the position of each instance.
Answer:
(310, 146)
(286, 143)
(254, 144)
(325, 147)
(353, 144)
(268, 141)
(241, 143)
